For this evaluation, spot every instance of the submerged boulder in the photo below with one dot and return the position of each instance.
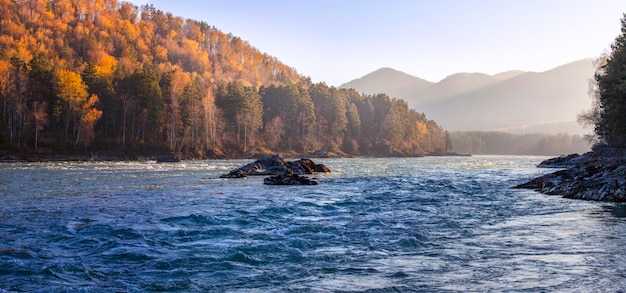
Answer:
(235, 174)
(292, 179)
(276, 165)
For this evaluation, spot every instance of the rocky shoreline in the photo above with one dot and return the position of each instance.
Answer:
(599, 175)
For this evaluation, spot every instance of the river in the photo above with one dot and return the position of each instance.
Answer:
(435, 224)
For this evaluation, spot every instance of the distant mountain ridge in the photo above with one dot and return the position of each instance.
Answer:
(513, 101)
(389, 81)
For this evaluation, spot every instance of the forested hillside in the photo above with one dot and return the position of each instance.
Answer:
(108, 77)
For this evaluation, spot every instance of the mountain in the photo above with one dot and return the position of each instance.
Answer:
(526, 100)
(389, 81)
(513, 101)
(508, 74)
(451, 86)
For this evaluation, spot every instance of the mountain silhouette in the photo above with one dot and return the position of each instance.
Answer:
(512, 101)
(389, 81)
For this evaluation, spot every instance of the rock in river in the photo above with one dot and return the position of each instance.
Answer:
(276, 165)
(293, 179)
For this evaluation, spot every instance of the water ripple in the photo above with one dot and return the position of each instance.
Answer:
(374, 225)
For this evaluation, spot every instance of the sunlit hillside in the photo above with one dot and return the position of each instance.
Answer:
(82, 76)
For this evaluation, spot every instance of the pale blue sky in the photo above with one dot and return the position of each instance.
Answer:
(335, 41)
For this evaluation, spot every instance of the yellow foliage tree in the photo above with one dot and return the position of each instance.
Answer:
(89, 116)
(160, 54)
(105, 65)
(72, 90)
(5, 71)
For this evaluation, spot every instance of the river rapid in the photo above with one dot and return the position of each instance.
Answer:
(435, 224)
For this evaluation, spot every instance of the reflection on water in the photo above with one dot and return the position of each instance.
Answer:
(617, 210)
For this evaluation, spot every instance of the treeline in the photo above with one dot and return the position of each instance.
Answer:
(501, 143)
(309, 117)
(84, 76)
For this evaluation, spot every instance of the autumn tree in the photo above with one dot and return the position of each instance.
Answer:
(89, 115)
(101, 85)
(80, 107)
(72, 92)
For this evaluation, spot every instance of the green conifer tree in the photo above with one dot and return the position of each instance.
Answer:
(611, 82)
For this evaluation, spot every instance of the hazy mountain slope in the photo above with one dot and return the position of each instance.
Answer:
(528, 99)
(392, 82)
(515, 101)
(508, 74)
(451, 86)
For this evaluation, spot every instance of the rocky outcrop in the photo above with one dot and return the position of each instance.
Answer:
(599, 175)
(277, 165)
(293, 179)
(559, 162)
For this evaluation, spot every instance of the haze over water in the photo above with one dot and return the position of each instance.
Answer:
(410, 224)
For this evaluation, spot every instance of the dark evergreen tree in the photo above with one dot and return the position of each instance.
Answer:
(41, 91)
(243, 112)
(103, 88)
(611, 83)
